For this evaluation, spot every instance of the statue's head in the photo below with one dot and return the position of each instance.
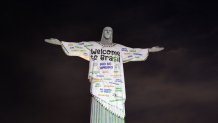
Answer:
(107, 32)
(107, 35)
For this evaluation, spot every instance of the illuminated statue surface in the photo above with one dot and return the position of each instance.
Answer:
(106, 73)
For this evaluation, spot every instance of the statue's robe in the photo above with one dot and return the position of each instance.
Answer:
(106, 70)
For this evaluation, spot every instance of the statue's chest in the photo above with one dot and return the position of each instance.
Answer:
(106, 62)
(105, 54)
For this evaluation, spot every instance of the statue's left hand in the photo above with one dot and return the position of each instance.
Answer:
(155, 49)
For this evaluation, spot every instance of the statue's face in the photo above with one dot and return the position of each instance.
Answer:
(107, 32)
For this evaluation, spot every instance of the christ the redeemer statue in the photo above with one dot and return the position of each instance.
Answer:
(106, 73)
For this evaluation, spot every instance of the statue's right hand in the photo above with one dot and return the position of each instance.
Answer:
(53, 41)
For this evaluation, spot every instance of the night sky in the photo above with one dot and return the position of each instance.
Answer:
(40, 84)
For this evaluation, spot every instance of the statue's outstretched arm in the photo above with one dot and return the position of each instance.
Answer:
(155, 49)
(53, 41)
(72, 48)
